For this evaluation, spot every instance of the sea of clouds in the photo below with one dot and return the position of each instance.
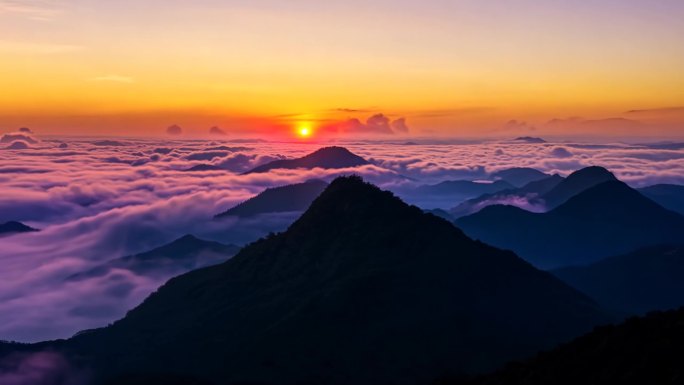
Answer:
(96, 199)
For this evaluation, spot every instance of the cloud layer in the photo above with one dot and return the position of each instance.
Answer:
(99, 199)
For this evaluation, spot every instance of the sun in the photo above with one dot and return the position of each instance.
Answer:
(304, 131)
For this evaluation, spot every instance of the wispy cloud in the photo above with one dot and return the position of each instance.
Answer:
(31, 9)
(29, 48)
(113, 79)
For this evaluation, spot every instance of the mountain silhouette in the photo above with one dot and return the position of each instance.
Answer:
(14, 227)
(327, 157)
(575, 183)
(529, 194)
(204, 167)
(669, 196)
(646, 350)
(642, 281)
(182, 255)
(361, 289)
(448, 193)
(463, 188)
(608, 219)
(520, 176)
(295, 197)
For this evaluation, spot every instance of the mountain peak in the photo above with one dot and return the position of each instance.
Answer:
(592, 172)
(575, 183)
(326, 157)
(15, 227)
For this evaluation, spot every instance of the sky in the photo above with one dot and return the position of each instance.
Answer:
(461, 68)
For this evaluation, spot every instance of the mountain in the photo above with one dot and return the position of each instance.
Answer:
(295, 197)
(645, 350)
(575, 183)
(14, 227)
(361, 289)
(205, 167)
(448, 193)
(519, 176)
(528, 195)
(669, 196)
(463, 188)
(529, 139)
(182, 255)
(608, 219)
(327, 157)
(642, 281)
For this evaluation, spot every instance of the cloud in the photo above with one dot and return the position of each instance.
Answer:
(113, 79)
(31, 9)
(18, 145)
(174, 130)
(92, 204)
(399, 125)
(375, 124)
(663, 110)
(217, 131)
(560, 152)
(24, 137)
(43, 368)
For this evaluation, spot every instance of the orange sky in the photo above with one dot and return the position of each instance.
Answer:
(462, 68)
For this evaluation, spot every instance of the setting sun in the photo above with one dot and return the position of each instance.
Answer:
(304, 131)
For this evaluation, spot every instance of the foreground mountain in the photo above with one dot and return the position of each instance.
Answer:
(519, 176)
(635, 283)
(608, 219)
(648, 350)
(362, 289)
(14, 227)
(526, 196)
(669, 196)
(295, 197)
(327, 157)
(576, 183)
(182, 255)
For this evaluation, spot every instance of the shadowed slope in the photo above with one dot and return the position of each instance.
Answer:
(608, 219)
(362, 289)
(295, 197)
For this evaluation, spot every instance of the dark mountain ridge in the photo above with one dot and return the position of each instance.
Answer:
(645, 280)
(327, 157)
(295, 197)
(646, 350)
(182, 255)
(575, 183)
(608, 219)
(14, 227)
(362, 289)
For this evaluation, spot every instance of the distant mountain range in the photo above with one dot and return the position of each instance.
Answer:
(669, 196)
(608, 219)
(296, 197)
(327, 157)
(182, 255)
(519, 176)
(14, 227)
(449, 193)
(576, 183)
(646, 350)
(642, 281)
(530, 194)
(362, 289)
